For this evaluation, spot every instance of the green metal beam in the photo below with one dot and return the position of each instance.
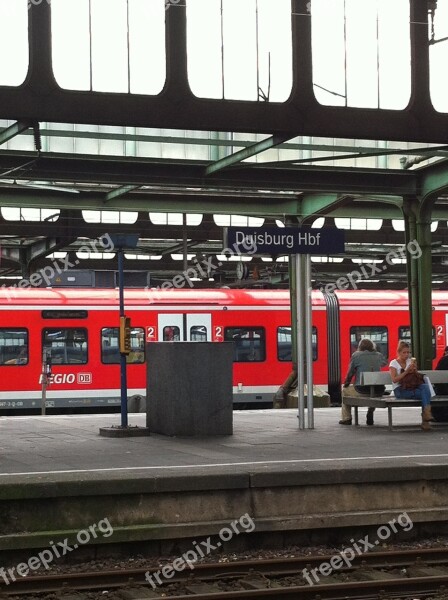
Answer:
(178, 203)
(121, 191)
(237, 157)
(206, 204)
(432, 151)
(320, 204)
(15, 129)
(433, 180)
(365, 210)
(217, 140)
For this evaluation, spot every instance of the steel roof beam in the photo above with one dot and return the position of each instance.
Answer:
(190, 174)
(121, 191)
(246, 153)
(15, 129)
(438, 150)
(320, 204)
(433, 180)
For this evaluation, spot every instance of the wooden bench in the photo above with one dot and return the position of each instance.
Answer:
(390, 402)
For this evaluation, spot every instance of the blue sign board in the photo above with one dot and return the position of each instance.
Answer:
(285, 240)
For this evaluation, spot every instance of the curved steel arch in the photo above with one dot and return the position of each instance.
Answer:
(41, 99)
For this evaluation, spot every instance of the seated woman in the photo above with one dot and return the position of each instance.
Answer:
(401, 366)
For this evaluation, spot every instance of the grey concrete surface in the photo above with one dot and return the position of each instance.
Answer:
(265, 441)
(58, 474)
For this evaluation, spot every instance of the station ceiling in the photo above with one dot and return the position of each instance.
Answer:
(103, 168)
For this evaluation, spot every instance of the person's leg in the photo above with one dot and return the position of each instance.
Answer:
(402, 394)
(346, 414)
(365, 391)
(425, 394)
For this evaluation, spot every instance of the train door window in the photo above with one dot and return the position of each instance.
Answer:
(110, 352)
(171, 333)
(377, 334)
(249, 343)
(67, 346)
(13, 346)
(284, 344)
(404, 333)
(198, 333)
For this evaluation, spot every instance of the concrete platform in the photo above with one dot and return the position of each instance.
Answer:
(57, 474)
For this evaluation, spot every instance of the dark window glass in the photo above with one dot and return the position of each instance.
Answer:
(378, 335)
(110, 351)
(249, 343)
(171, 333)
(13, 347)
(198, 333)
(67, 346)
(64, 314)
(284, 344)
(404, 333)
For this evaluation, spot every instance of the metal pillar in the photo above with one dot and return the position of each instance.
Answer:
(309, 341)
(293, 304)
(410, 208)
(123, 374)
(424, 268)
(300, 341)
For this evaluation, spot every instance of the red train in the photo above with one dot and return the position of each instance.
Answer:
(80, 328)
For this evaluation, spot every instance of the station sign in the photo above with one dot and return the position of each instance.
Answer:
(286, 240)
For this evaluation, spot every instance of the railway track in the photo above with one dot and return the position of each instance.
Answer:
(370, 575)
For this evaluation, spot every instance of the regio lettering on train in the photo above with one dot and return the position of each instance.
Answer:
(59, 378)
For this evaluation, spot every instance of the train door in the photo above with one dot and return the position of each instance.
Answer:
(195, 327)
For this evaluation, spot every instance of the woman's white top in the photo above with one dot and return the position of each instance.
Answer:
(396, 365)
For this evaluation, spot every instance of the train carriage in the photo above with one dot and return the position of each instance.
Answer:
(79, 328)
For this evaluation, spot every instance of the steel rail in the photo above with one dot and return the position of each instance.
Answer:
(210, 571)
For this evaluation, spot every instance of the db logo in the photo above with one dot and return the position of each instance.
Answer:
(85, 378)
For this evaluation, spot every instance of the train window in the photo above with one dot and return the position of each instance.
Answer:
(67, 346)
(378, 335)
(404, 333)
(198, 333)
(13, 347)
(284, 344)
(110, 352)
(171, 333)
(249, 342)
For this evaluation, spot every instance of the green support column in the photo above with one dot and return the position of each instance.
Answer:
(424, 266)
(410, 208)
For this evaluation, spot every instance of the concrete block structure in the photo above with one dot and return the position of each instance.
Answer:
(189, 388)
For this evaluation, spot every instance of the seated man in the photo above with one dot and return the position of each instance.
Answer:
(366, 358)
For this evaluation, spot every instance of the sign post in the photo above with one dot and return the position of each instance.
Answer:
(300, 243)
(120, 242)
(46, 372)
